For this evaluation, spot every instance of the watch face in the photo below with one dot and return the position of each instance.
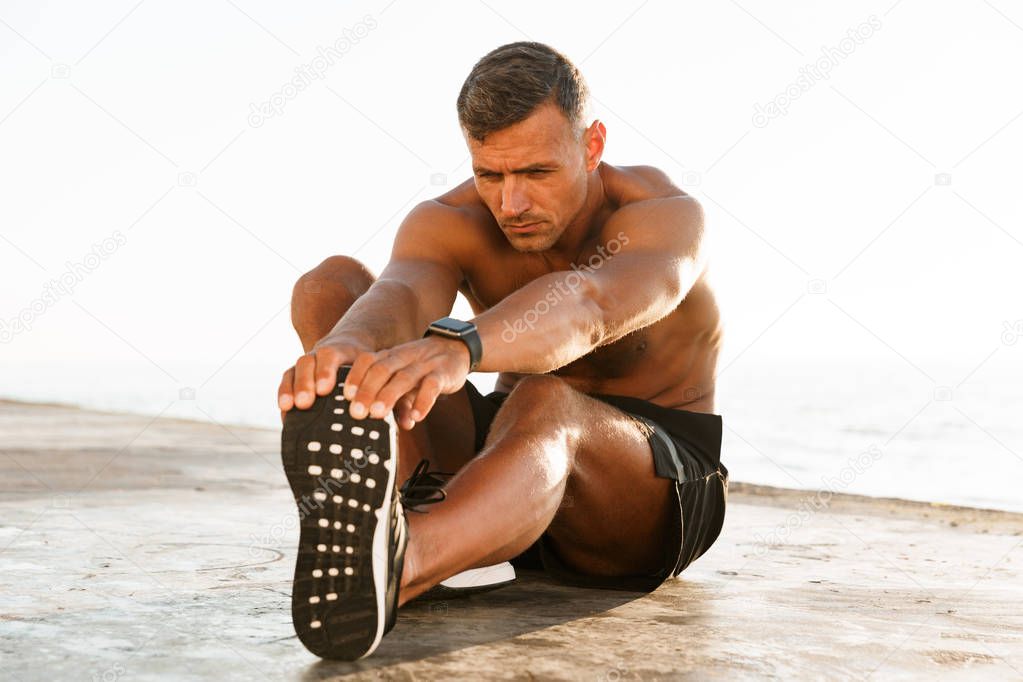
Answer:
(450, 324)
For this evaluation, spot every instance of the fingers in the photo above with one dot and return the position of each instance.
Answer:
(369, 381)
(403, 411)
(362, 362)
(304, 388)
(328, 360)
(429, 389)
(313, 374)
(285, 393)
(353, 381)
(400, 383)
(407, 379)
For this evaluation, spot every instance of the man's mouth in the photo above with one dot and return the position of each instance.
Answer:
(522, 229)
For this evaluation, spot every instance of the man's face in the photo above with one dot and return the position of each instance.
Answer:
(533, 176)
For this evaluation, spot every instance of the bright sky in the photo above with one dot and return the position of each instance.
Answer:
(871, 212)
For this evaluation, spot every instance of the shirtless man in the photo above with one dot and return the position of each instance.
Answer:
(597, 457)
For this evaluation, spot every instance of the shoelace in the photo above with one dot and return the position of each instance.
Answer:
(423, 487)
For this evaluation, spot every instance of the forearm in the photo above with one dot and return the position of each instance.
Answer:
(546, 324)
(385, 316)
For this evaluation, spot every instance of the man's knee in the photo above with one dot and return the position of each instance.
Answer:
(539, 405)
(324, 294)
(541, 393)
(336, 275)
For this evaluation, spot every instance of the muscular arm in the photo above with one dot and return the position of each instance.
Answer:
(651, 258)
(418, 286)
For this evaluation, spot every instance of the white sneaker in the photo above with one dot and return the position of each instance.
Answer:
(473, 581)
(485, 578)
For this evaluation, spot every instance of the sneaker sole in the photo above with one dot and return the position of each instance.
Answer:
(341, 471)
(441, 592)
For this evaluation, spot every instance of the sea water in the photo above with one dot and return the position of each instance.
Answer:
(875, 428)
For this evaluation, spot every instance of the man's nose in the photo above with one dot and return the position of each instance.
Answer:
(513, 198)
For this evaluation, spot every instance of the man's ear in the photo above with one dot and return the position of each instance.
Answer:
(594, 137)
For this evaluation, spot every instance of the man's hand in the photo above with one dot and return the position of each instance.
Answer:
(407, 378)
(315, 372)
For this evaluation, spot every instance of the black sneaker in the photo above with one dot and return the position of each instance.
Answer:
(353, 534)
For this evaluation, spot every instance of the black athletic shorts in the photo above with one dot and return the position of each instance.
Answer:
(686, 448)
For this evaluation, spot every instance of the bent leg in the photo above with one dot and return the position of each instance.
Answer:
(558, 461)
(325, 293)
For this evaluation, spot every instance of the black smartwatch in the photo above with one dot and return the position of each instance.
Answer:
(464, 332)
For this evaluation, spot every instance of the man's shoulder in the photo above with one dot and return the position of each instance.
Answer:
(649, 203)
(462, 199)
(448, 224)
(459, 208)
(454, 209)
(627, 185)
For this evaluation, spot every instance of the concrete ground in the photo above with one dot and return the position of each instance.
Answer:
(137, 548)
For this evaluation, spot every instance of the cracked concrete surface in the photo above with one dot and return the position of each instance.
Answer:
(133, 548)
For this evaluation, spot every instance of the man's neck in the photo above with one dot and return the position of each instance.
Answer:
(584, 224)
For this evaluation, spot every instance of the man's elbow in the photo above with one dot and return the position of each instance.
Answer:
(603, 312)
(613, 313)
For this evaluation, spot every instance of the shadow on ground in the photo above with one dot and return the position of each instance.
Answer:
(533, 603)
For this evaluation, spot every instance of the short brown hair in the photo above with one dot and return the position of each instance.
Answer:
(508, 83)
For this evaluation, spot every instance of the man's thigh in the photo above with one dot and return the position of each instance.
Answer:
(617, 514)
(445, 438)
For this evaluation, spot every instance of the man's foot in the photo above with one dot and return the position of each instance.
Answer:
(473, 581)
(353, 528)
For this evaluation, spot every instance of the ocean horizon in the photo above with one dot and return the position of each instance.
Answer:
(866, 427)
